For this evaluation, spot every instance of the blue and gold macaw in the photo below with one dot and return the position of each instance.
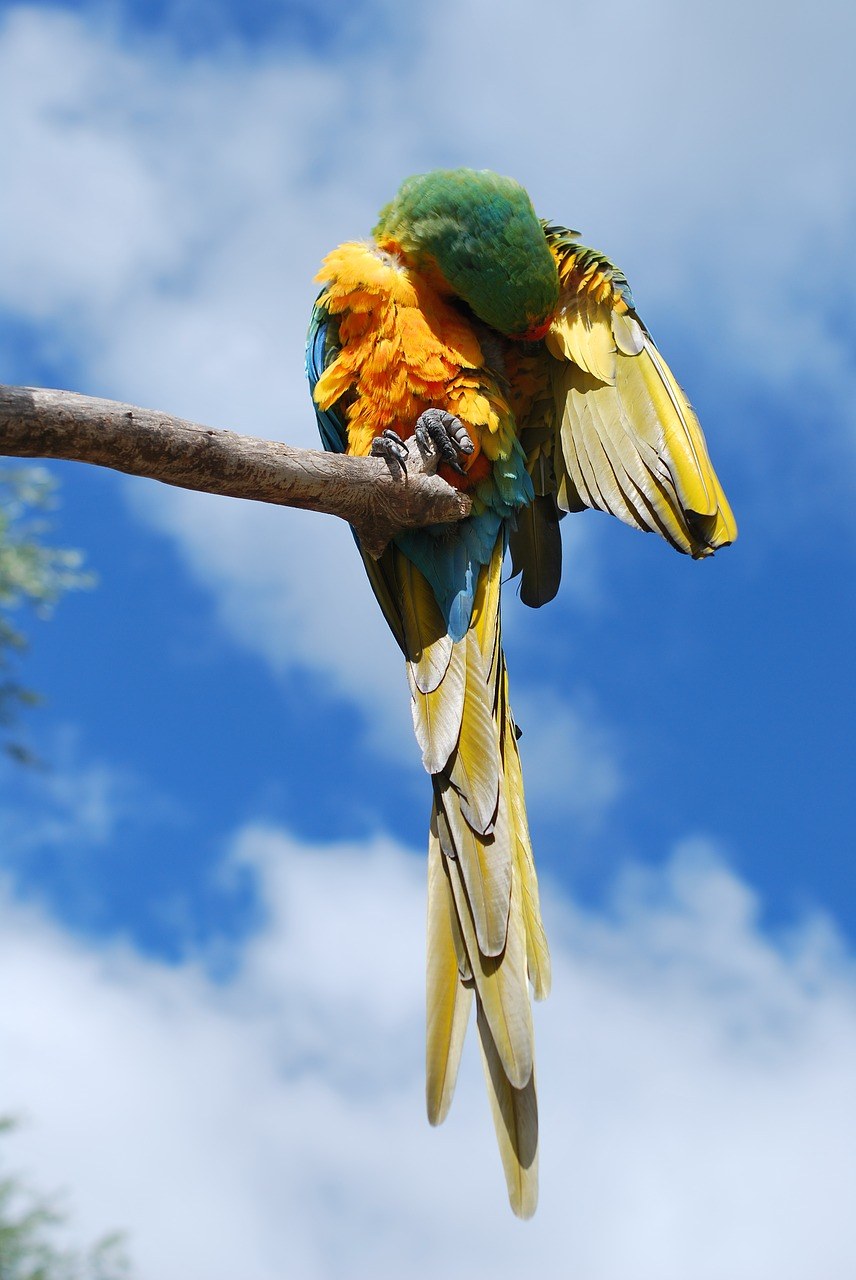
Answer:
(517, 355)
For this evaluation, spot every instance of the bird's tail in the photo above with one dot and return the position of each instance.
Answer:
(485, 937)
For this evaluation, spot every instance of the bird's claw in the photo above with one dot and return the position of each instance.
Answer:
(438, 431)
(389, 445)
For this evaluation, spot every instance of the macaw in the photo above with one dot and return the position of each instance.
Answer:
(518, 357)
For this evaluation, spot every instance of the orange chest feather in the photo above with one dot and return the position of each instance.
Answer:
(403, 349)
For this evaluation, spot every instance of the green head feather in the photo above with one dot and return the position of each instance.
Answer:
(481, 232)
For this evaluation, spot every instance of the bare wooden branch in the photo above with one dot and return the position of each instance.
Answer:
(378, 502)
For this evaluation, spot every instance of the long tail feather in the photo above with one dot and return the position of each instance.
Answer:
(448, 999)
(537, 951)
(485, 938)
(484, 863)
(501, 982)
(515, 1118)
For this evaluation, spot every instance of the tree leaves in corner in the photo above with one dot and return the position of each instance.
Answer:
(32, 575)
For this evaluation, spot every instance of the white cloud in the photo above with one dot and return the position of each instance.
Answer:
(696, 1083)
(696, 1079)
(290, 586)
(67, 804)
(570, 758)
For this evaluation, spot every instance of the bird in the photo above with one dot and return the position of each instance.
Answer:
(471, 329)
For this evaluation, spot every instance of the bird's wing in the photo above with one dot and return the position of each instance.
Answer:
(322, 346)
(627, 440)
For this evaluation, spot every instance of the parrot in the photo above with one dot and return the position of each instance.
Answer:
(471, 329)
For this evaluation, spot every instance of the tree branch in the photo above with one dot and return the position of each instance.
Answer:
(378, 502)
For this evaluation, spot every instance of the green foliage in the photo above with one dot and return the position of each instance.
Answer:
(29, 1229)
(31, 574)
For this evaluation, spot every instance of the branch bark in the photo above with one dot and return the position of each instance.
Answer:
(377, 501)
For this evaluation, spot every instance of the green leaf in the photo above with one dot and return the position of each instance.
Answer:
(33, 575)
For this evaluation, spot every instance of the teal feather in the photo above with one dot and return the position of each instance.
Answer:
(321, 348)
(450, 557)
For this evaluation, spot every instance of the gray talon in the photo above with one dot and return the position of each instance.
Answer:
(439, 430)
(390, 446)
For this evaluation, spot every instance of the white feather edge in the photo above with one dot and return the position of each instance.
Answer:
(448, 1001)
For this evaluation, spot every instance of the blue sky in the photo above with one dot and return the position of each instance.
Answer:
(213, 895)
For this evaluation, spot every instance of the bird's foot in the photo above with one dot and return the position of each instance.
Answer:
(390, 445)
(440, 433)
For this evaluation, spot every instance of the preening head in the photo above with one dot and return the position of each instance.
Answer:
(480, 232)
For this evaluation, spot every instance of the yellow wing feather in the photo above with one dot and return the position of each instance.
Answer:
(628, 440)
